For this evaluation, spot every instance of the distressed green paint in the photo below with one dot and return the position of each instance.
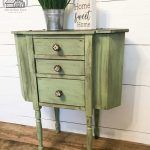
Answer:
(32, 68)
(39, 129)
(89, 133)
(56, 76)
(88, 74)
(115, 74)
(71, 32)
(73, 91)
(62, 106)
(108, 67)
(34, 90)
(100, 69)
(57, 57)
(68, 67)
(23, 65)
(92, 63)
(68, 46)
(88, 87)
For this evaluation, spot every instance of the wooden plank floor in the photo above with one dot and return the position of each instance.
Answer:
(26, 139)
(13, 145)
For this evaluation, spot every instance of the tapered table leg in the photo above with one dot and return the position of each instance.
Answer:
(57, 124)
(96, 119)
(39, 129)
(89, 133)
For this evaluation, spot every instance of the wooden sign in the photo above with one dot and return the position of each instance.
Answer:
(84, 14)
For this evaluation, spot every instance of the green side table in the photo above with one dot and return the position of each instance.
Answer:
(73, 70)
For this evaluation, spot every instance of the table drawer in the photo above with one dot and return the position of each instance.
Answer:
(59, 46)
(60, 67)
(61, 91)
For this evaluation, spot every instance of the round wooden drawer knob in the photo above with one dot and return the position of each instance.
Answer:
(57, 68)
(58, 93)
(56, 47)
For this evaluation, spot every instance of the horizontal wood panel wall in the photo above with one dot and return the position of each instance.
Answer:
(128, 122)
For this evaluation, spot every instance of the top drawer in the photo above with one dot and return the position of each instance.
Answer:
(62, 46)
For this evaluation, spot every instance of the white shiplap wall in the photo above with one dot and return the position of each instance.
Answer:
(131, 120)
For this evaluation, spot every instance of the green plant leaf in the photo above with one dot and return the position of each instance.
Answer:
(54, 4)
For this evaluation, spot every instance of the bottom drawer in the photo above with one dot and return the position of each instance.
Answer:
(61, 91)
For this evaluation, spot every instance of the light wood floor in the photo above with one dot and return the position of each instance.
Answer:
(18, 137)
(13, 145)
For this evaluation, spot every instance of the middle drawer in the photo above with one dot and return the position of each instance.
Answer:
(60, 67)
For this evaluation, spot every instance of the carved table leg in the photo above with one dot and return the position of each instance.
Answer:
(89, 133)
(57, 124)
(39, 129)
(96, 119)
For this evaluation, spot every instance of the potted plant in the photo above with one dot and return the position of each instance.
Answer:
(54, 13)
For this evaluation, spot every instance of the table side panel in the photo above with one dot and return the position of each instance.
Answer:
(23, 65)
(116, 59)
(108, 56)
(100, 71)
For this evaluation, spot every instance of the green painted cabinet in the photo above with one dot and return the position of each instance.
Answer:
(73, 70)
